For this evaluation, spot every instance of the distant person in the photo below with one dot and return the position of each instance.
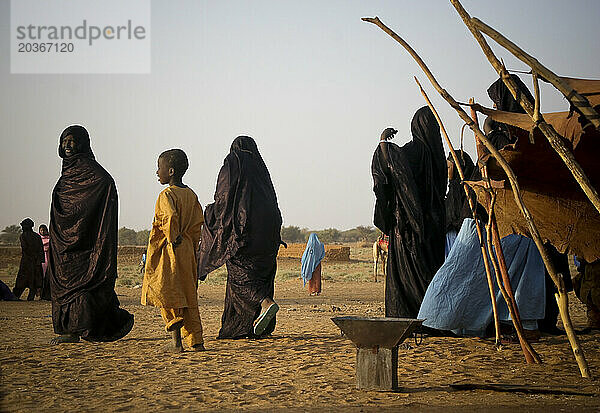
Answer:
(32, 256)
(242, 230)
(311, 264)
(409, 185)
(45, 235)
(83, 247)
(142, 264)
(171, 278)
(498, 133)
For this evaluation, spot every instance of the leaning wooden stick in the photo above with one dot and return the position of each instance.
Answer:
(577, 350)
(503, 280)
(498, 261)
(556, 141)
(484, 251)
(579, 101)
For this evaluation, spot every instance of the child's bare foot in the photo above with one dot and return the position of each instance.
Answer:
(170, 348)
(176, 344)
(198, 347)
(65, 338)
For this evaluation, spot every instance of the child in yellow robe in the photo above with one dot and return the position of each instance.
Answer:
(170, 276)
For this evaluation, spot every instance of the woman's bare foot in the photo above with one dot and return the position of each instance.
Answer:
(65, 338)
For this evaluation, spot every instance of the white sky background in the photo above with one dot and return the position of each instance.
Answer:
(308, 80)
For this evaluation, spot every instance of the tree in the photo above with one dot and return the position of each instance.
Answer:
(10, 235)
(142, 237)
(291, 234)
(367, 233)
(127, 236)
(328, 235)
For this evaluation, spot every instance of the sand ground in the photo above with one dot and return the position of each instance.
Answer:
(305, 366)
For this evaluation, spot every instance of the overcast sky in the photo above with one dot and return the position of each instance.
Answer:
(311, 82)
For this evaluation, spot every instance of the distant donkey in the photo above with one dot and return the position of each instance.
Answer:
(380, 250)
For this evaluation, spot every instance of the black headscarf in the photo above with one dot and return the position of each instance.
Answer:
(409, 185)
(83, 246)
(245, 213)
(498, 133)
(502, 97)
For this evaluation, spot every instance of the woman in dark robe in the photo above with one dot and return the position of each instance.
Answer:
(409, 185)
(83, 247)
(30, 268)
(242, 230)
(457, 204)
(498, 133)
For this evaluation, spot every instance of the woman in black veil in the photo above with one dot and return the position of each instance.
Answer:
(409, 185)
(83, 247)
(242, 230)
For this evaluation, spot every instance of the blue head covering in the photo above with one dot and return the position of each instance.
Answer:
(313, 254)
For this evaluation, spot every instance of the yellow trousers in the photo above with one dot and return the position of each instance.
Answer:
(191, 331)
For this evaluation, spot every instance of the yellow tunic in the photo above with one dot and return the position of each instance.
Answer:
(170, 277)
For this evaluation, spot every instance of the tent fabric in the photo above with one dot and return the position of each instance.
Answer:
(566, 124)
(458, 297)
(590, 88)
(572, 226)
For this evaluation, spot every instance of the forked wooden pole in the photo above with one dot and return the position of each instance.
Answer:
(556, 141)
(577, 350)
(484, 251)
(579, 101)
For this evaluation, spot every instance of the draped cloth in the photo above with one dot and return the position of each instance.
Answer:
(45, 295)
(409, 185)
(242, 230)
(30, 273)
(83, 248)
(312, 256)
(456, 203)
(458, 297)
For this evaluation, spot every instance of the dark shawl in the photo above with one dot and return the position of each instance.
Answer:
(457, 204)
(410, 184)
(242, 230)
(501, 134)
(83, 248)
(32, 256)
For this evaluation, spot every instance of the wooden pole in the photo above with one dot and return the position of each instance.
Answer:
(484, 250)
(504, 284)
(577, 350)
(556, 141)
(579, 101)
(500, 264)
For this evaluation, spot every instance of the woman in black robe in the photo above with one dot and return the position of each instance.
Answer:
(498, 133)
(410, 184)
(457, 204)
(83, 247)
(242, 230)
(30, 268)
